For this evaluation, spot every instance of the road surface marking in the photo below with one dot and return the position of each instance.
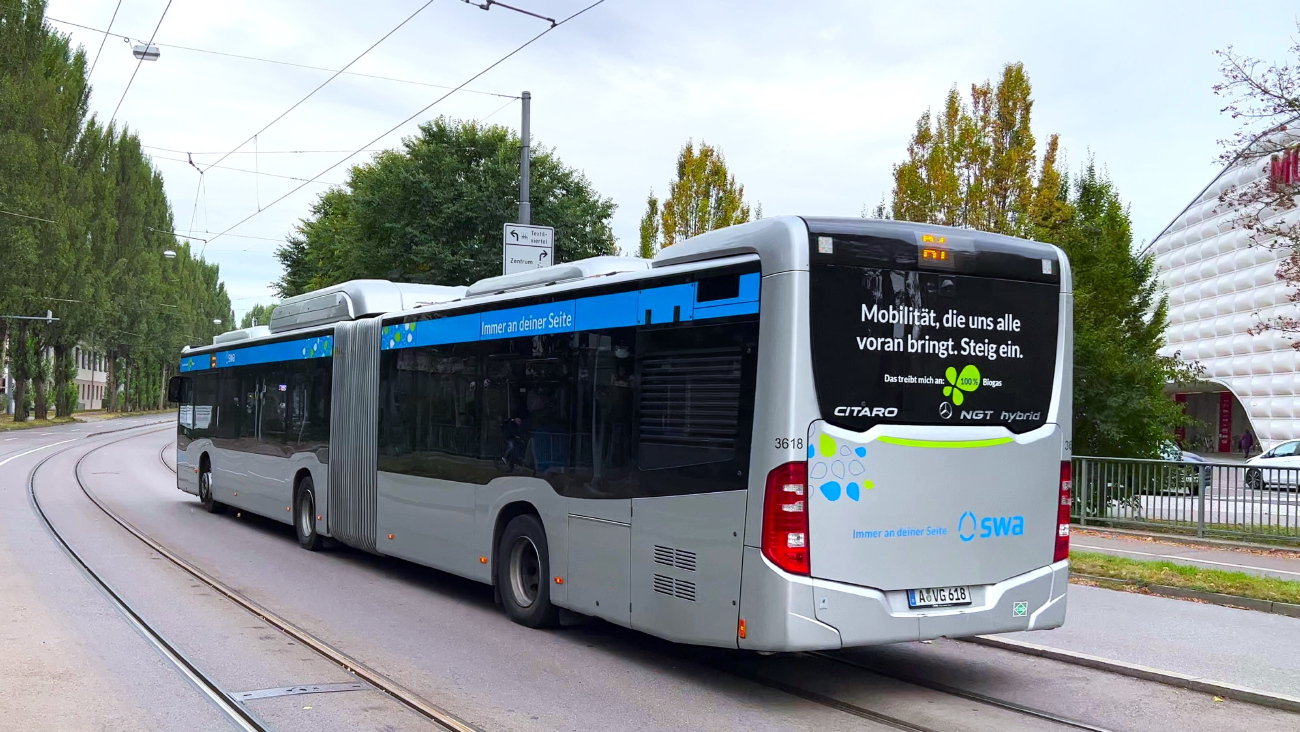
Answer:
(29, 452)
(1178, 557)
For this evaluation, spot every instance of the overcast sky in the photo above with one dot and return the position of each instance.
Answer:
(811, 101)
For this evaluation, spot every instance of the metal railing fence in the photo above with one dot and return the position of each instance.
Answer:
(1227, 500)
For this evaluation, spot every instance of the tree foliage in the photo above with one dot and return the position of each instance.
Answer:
(1120, 404)
(975, 165)
(85, 224)
(1265, 100)
(259, 314)
(972, 165)
(702, 197)
(433, 212)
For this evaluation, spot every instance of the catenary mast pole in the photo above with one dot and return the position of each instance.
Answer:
(525, 137)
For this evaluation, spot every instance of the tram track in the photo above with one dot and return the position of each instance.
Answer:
(236, 713)
(436, 714)
(964, 694)
(234, 710)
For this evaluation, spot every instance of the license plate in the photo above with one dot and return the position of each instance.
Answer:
(938, 597)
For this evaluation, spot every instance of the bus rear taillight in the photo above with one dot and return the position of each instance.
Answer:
(785, 518)
(1063, 515)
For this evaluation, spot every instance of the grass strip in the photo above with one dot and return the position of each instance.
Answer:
(1169, 574)
(7, 423)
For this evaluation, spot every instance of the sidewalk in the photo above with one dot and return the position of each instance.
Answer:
(1243, 647)
(1262, 561)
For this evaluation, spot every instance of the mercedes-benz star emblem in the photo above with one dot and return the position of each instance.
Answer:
(945, 410)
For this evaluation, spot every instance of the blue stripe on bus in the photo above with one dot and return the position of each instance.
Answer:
(530, 320)
(319, 347)
(748, 293)
(619, 310)
(726, 310)
(607, 311)
(669, 304)
(196, 363)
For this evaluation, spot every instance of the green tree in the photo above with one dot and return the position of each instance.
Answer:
(702, 197)
(87, 224)
(975, 165)
(1121, 407)
(433, 212)
(259, 314)
(650, 228)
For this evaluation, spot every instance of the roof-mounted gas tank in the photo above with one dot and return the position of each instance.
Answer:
(355, 299)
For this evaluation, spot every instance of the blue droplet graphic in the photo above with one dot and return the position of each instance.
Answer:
(852, 491)
(837, 468)
(861, 451)
(831, 490)
(812, 451)
(818, 471)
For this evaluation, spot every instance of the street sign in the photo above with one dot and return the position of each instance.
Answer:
(527, 247)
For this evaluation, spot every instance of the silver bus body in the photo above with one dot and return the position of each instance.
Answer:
(665, 387)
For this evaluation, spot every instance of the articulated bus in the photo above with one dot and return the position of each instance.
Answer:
(791, 434)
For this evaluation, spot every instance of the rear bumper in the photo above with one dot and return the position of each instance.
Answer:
(785, 612)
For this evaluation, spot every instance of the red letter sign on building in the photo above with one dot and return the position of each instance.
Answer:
(1284, 169)
(1225, 421)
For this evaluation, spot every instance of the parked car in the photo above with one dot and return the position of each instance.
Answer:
(1268, 470)
(1190, 478)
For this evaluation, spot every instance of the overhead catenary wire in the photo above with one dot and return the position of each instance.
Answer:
(333, 76)
(281, 62)
(419, 112)
(139, 61)
(149, 228)
(264, 152)
(245, 170)
(103, 40)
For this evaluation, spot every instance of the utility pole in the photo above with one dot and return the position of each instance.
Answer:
(525, 137)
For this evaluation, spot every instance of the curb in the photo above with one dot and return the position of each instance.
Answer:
(1192, 541)
(1137, 671)
(124, 429)
(1213, 598)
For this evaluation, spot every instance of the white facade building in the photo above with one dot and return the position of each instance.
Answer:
(1220, 283)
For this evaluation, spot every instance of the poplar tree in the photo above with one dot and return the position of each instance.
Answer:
(974, 165)
(702, 197)
(650, 228)
(86, 221)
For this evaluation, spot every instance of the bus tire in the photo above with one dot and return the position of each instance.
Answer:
(205, 490)
(305, 519)
(523, 568)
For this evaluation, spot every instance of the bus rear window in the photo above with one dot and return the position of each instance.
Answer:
(915, 347)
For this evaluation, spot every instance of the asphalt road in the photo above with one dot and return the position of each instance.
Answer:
(68, 661)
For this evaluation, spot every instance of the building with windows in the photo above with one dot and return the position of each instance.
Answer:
(1220, 284)
(91, 379)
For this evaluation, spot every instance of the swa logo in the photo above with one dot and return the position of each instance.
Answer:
(969, 526)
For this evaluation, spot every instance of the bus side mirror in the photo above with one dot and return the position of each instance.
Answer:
(178, 390)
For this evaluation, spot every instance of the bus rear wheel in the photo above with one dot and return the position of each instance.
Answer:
(205, 491)
(305, 525)
(523, 567)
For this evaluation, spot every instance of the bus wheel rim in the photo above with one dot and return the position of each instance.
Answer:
(205, 487)
(304, 513)
(525, 571)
